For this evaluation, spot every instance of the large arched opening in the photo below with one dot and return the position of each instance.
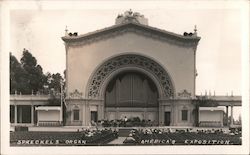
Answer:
(131, 94)
(129, 85)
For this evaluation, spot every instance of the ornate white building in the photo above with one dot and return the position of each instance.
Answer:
(130, 69)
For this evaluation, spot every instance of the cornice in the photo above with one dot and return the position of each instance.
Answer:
(147, 31)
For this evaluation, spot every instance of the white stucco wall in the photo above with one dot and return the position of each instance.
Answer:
(83, 60)
(50, 115)
(211, 116)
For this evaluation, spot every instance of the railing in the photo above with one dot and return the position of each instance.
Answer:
(221, 98)
(210, 124)
(31, 97)
(49, 123)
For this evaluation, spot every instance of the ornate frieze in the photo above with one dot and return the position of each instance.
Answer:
(126, 61)
(139, 29)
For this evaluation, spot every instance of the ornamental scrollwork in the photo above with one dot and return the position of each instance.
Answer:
(126, 61)
(184, 94)
(75, 95)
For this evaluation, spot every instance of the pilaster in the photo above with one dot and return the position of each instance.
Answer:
(232, 119)
(32, 114)
(15, 121)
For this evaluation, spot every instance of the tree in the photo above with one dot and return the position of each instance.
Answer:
(27, 76)
(18, 77)
(56, 82)
(204, 101)
(53, 81)
(54, 86)
(35, 77)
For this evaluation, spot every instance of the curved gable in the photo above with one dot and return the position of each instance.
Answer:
(137, 28)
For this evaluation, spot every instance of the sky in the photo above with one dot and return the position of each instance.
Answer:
(218, 58)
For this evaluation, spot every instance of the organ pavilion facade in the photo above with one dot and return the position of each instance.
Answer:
(130, 70)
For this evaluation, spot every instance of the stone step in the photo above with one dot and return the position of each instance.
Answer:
(118, 140)
(124, 132)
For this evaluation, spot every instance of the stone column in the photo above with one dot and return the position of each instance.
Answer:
(99, 112)
(172, 115)
(198, 117)
(160, 113)
(32, 114)
(232, 122)
(83, 113)
(15, 119)
(88, 115)
(21, 115)
(102, 110)
(175, 114)
(226, 115)
(116, 113)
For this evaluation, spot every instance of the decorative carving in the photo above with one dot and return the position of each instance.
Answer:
(75, 107)
(130, 60)
(184, 94)
(130, 16)
(76, 94)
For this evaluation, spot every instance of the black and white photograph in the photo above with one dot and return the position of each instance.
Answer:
(124, 77)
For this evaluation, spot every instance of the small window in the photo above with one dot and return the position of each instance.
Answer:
(184, 115)
(76, 114)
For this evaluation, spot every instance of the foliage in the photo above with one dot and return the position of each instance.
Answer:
(54, 100)
(54, 82)
(132, 122)
(34, 72)
(27, 76)
(202, 101)
(18, 77)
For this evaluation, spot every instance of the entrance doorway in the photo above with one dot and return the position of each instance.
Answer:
(94, 116)
(167, 119)
(24, 114)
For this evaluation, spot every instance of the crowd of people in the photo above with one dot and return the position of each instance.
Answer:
(98, 136)
(125, 122)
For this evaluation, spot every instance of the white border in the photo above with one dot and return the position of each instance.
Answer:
(7, 6)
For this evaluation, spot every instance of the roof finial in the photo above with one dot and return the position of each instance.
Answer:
(66, 31)
(195, 30)
(131, 17)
